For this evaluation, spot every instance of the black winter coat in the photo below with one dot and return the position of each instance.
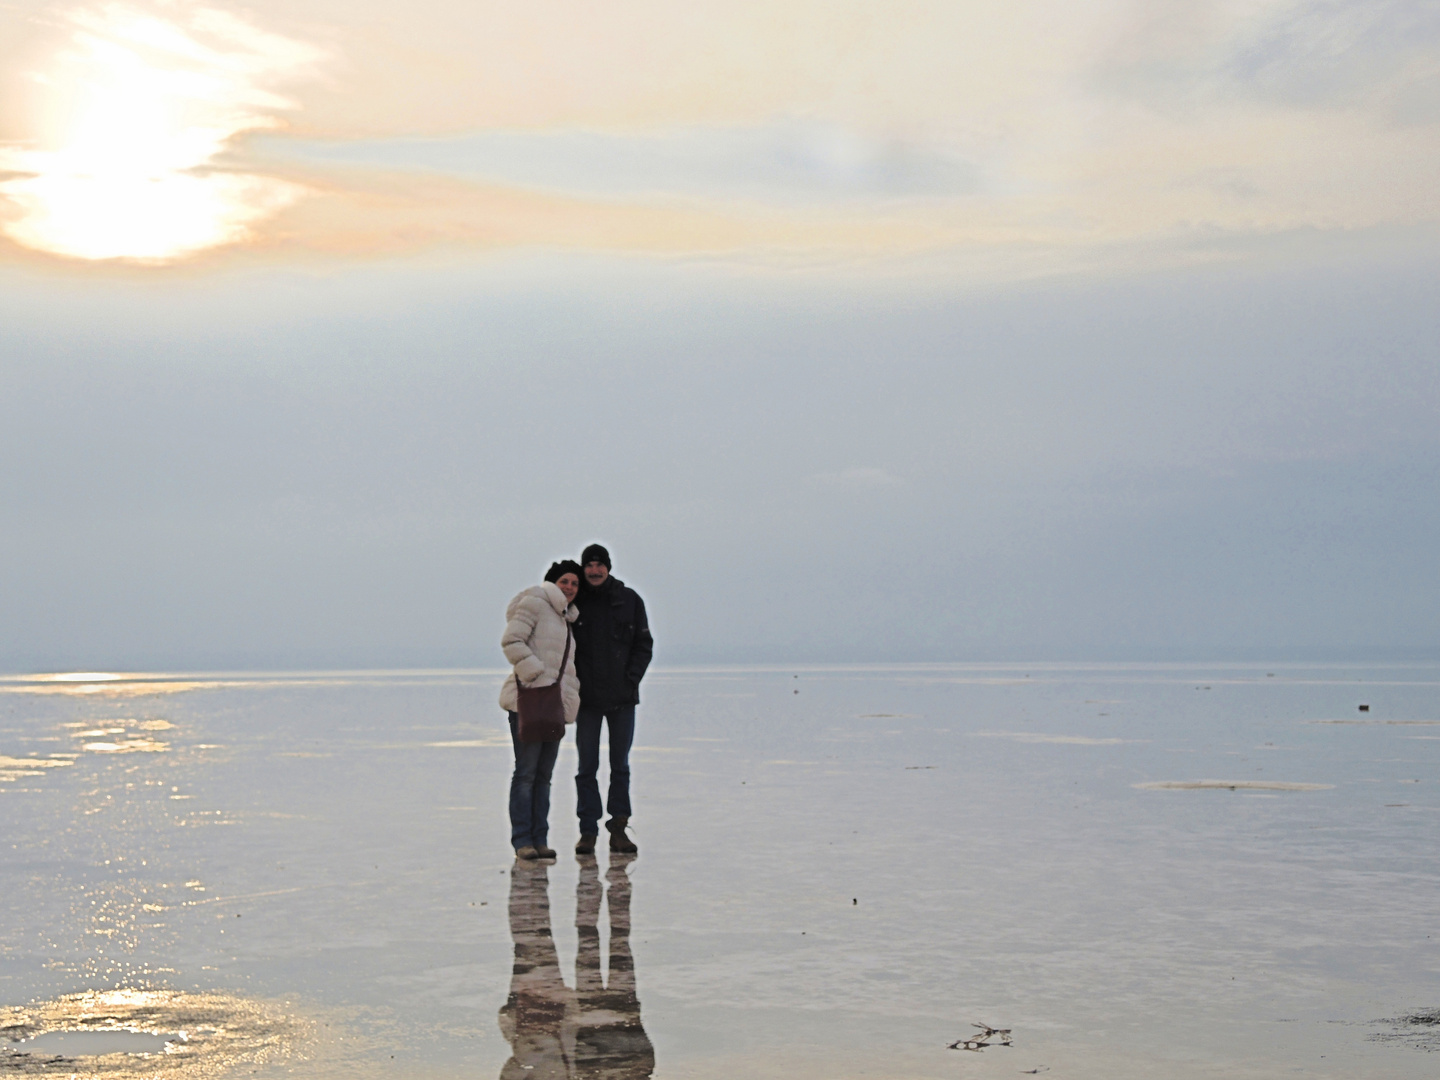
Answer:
(612, 644)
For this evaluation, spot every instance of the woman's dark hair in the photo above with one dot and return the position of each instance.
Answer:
(563, 567)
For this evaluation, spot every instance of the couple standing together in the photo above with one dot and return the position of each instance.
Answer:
(586, 631)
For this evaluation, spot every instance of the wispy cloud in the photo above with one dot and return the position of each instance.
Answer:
(1380, 53)
(1140, 131)
(1370, 55)
(784, 161)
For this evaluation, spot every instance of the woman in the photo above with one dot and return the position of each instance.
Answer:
(537, 632)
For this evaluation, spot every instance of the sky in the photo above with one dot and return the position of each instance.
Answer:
(907, 332)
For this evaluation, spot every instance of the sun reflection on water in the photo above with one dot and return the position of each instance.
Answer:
(216, 1034)
(106, 684)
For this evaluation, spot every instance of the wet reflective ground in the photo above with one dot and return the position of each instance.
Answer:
(1137, 870)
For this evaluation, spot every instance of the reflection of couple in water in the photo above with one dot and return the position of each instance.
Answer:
(593, 1031)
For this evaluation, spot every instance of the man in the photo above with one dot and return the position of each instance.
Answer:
(612, 650)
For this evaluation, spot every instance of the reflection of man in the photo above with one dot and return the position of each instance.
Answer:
(531, 1018)
(594, 1031)
(612, 650)
(605, 1031)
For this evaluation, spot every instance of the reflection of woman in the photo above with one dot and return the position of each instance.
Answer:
(530, 1019)
(536, 642)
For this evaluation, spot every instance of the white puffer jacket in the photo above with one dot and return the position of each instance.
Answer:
(534, 641)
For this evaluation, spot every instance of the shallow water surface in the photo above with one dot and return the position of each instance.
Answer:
(1138, 870)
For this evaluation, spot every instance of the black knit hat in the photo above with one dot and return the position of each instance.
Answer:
(563, 567)
(595, 553)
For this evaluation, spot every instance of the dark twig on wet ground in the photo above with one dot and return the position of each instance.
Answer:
(989, 1036)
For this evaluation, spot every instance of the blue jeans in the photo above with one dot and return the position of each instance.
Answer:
(530, 790)
(587, 742)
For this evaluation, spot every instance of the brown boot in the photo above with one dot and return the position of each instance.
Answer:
(585, 845)
(618, 840)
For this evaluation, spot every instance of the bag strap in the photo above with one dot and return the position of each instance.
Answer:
(566, 658)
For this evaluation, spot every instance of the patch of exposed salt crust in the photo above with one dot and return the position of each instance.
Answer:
(1229, 785)
(1036, 737)
(1376, 723)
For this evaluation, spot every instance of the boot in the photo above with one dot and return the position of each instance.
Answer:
(526, 852)
(618, 840)
(543, 852)
(585, 845)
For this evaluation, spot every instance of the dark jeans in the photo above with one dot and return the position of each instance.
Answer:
(530, 790)
(587, 742)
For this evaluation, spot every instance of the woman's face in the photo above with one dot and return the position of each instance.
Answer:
(569, 585)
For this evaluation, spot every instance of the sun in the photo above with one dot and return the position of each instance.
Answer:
(135, 109)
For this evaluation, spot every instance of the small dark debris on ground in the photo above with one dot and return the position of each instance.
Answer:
(1420, 1030)
(989, 1036)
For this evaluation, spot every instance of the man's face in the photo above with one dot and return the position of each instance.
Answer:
(596, 573)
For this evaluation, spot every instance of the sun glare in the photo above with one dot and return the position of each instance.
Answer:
(134, 111)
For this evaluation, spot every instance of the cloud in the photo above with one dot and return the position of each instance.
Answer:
(1374, 55)
(130, 114)
(785, 160)
(1342, 52)
(1140, 134)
